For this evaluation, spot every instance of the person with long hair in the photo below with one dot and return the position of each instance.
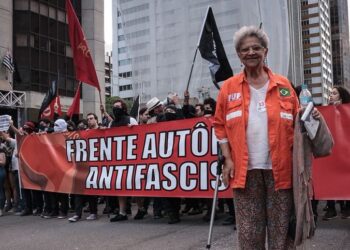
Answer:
(339, 95)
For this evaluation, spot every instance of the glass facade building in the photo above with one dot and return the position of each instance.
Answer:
(41, 46)
(154, 42)
(340, 42)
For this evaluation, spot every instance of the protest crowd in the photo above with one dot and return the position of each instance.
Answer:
(47, 205)
(253, 188)
(14, 201)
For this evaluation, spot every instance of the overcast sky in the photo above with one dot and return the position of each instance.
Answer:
(108, 25)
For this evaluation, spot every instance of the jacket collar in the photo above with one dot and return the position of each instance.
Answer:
(272, 78)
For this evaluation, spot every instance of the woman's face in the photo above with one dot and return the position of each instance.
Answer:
(334, 97)
(251, 52)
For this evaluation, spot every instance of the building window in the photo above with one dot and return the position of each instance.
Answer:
(41, 45)
(305, 22)
(306, 32)
(307, 71)
(307, 61)
(125, 87)
(122, 50)
(121, 38)
(304, 2)
(124, 62)
(136, 9)
(306, 41)
(125, 74)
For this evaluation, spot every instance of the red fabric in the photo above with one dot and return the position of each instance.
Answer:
(75, 107)
(84, 67)
(331, 174)
(54, 107)
(135, 167)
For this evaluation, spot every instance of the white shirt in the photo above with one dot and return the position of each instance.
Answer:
(257, 131)
(14, 159)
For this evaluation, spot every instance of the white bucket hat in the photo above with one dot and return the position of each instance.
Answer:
(153, 103)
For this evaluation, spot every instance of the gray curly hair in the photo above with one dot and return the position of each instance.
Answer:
(249, 31)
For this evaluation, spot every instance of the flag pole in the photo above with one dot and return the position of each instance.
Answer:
(195, 53)
(189, 77)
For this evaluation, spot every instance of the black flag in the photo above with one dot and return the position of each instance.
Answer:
(49, 97)
(212, 50)
(134, 111)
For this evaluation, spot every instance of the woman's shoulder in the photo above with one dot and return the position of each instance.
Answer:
(282, 80)
(233, 81)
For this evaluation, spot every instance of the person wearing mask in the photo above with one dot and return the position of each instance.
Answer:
(209, 106)
(121, 118)
(254, 125)
(80, 200)
(339, 95)
(60, 201)
(171, 113)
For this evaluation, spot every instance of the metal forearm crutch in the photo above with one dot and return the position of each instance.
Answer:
(220, 161)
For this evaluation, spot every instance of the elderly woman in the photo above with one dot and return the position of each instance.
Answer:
(254, 125)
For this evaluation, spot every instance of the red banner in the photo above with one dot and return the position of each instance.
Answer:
(331, 174)
(170, 159)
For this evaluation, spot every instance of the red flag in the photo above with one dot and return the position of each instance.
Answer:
(75, 107)
(54, 107)
(84, 67)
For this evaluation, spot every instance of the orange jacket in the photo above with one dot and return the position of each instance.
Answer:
(231, 120)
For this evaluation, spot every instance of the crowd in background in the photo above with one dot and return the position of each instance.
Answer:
(24, 202)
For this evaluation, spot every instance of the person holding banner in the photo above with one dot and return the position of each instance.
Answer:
(338, 95)
(254, 125)
(80, 200)
(121, 118)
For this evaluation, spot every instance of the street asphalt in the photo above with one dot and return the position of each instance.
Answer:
(35, 233)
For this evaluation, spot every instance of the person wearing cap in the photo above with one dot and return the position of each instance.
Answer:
(154, 109)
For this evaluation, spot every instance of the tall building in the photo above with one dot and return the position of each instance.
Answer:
(154, 43)
(317, 50)
(108, 73)
(41, 51)
(340, 42)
